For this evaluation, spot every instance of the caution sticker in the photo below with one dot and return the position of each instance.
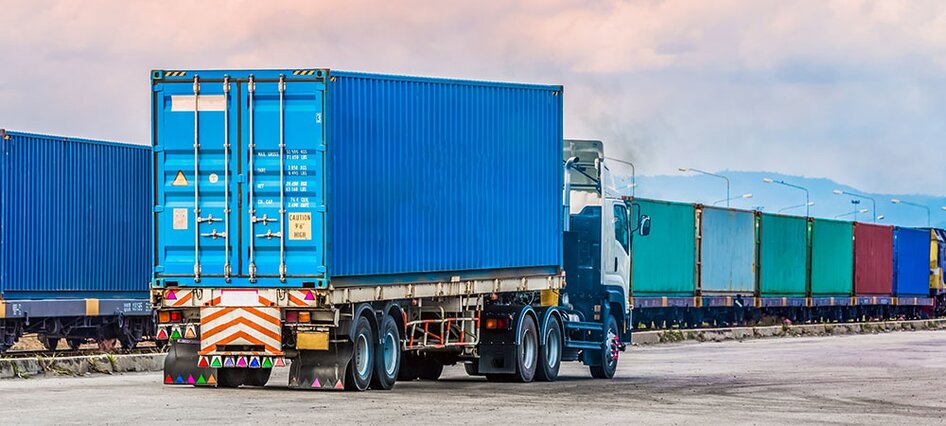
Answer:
(300, 226)
(180, 179)
(180, 219)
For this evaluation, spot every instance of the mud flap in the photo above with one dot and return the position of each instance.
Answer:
(180, 365)
(314, 370)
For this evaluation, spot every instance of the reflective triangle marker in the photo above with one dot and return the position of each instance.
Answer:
(190, 379)
(215, 362)
(267, 363)
(211, 380)
(175, 333)
(202, 363)
(228, 362)
(201, 380)
(254, 362)
(280, 362)
(171, 295)
(190, 333)
(339, 385)
(179, 380)
(241, 362)
(316, 383)
(168, 380)
(309, 296)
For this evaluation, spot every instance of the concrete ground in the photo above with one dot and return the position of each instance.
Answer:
(894, 378)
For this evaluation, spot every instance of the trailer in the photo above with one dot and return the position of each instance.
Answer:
(74, 241)
(371, 228)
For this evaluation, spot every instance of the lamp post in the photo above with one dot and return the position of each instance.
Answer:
(633, 185)
(855, 212)
(873, 203)
(688, 169)
(808, 202)
(733, 198)
(899, 201)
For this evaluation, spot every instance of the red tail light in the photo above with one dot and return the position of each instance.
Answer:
(177, 316)
(292, 316)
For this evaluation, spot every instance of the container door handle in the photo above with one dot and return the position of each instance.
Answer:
(615, 264)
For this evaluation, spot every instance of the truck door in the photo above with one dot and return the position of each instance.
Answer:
(615, 245)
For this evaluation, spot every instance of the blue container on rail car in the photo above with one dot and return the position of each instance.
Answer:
(727, 251)
(302, 176)
(911, 262)
(74, 218)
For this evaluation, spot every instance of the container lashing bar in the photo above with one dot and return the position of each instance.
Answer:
(251, 89)
(282, 173)
(226, 179)
(197, 218)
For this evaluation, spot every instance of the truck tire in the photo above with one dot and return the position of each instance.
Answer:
(609, 359)
(231, 377)
(257, 376)
(387, 358)
(361, 367)
(550, 354)
(527, 351)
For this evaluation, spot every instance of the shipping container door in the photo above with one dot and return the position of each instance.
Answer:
(195, 172)
(284, 201)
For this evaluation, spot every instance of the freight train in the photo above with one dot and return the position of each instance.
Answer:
(713, 266)
(74, 241)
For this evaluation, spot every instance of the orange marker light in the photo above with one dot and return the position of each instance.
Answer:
(164, 317)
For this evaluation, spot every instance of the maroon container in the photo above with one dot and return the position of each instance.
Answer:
(873, 260)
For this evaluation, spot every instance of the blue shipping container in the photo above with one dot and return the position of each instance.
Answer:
(911, 258)
(74, 218)
(371, 178)
(727, 251)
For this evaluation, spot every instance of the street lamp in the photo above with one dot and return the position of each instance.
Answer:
(807, 200)
(855, 212)
(733, 198)
(873, 202)
(689, 169)
(808, 204)
(899, 201)
(633, 185)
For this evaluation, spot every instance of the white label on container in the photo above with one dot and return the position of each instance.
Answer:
(300, 226)
(185, 103)
(180, 219)
(239, 298)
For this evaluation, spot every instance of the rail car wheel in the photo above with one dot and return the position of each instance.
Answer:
(360, 369)
(550, 354)
(129, 338)
(387, 361)
(74, 343)
(50, 343)
(609, 356)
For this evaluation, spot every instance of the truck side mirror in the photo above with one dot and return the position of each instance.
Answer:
(643, 226)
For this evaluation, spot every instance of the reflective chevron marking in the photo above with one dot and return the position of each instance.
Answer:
(258, 326)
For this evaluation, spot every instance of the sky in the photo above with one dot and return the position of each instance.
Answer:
(853, 91)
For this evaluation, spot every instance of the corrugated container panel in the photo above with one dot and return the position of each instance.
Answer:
(832, 258)
(783, 255)
(663, 263)
(727, 253)
(74, 217)
(432, 175)
(911, 254)
(873, 259)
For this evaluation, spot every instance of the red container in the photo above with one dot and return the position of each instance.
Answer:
(873, 260)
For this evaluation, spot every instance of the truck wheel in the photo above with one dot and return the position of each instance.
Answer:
(609, 357)
(550, 354)
(361, 367)
(387, 356)
(231, 377)
(431, 370)
(527, 352)
(472, 368)
(257, 376)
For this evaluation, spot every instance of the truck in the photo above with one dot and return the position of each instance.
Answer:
(367, 228)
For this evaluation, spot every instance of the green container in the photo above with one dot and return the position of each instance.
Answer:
(832, 258)
(662, 263)
(783, 256)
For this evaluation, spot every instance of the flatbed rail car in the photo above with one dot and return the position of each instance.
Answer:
(373, 228)
(74, 240)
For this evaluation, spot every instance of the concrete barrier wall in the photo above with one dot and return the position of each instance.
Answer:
(743, 333)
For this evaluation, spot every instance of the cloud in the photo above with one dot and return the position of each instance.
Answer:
(852, 90)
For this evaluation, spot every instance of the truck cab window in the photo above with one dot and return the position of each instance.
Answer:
(620, 226)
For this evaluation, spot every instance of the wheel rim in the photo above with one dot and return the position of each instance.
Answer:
(362, 355)
(613, 344)
(528, 349)
(553, 345)
(390, 353)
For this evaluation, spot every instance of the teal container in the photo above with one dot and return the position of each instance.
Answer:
(727, 252)
(663, 263)
(832, 258)
(783, 255)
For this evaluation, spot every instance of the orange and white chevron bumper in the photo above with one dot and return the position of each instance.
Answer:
(244, 326)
